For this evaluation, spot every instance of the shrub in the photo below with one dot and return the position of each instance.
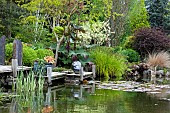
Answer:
(41, 53)
(131, 55)
(150, 40)
(29, 55)
(129, 42)
(8, 52)
(107, 63)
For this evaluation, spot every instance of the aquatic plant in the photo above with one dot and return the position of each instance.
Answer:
(5, 96)
(29, 91)
(107, 63)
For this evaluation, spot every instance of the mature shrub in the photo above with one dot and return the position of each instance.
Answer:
(107, 63)
(41, 53)
(29, 55)
(131, 55)
(149, 40)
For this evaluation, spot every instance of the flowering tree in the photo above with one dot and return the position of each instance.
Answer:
(98, 31)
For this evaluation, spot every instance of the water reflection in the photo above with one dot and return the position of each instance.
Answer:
(70, 98)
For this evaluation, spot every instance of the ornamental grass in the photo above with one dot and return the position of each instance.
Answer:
(107, 63)
(161, 59)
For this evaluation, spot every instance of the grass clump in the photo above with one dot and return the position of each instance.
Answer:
(107, 63)
(161, 59)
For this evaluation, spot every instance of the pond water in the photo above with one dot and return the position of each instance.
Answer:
(87, 99)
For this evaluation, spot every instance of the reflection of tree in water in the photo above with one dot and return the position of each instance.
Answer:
(80, 99)
(71, 98)
(109, 101)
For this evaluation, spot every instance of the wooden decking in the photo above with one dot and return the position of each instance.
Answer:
(8, 68)
(51, 76)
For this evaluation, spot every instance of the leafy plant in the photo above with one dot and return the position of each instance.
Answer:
(107, 63)
(41, 53)
(128, 43)
(131, 55)
(150, 40)
(138, 16)
(66, 57)
(8, 52)
(60, 69)
(29, 55)
(98, 31)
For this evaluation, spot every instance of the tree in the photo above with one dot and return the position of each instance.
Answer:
(159, 12)
(119, 11)
(58, 15)
(9, 17)
(137, 16)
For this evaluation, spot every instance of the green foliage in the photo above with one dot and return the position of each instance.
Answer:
(29, 56)
(41, 53)
(107, 63)
(159, 13)
(66, 57)
(30, 32)
(29, 92)
(129, 42)
(60, 69)
(138, 16)
(9, 17)
(8, 52)
(131, 55)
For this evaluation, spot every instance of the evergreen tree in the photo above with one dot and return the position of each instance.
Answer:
(158, 11)
(9, 17)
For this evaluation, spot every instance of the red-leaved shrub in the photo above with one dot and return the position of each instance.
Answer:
(150, 40)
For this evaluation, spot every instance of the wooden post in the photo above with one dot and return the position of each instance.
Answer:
(93, 88)
(94, 71)
(14, 67)
(49, 73)
(153, 77)
(48, 97)
(81, 74)
(81, 91)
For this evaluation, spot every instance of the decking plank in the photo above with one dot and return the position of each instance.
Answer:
(8, 68)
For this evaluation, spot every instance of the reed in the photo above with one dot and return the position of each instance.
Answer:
(29, 91)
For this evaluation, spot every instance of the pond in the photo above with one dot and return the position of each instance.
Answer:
(87, 99)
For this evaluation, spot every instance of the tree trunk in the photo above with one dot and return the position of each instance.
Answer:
(57, 48)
